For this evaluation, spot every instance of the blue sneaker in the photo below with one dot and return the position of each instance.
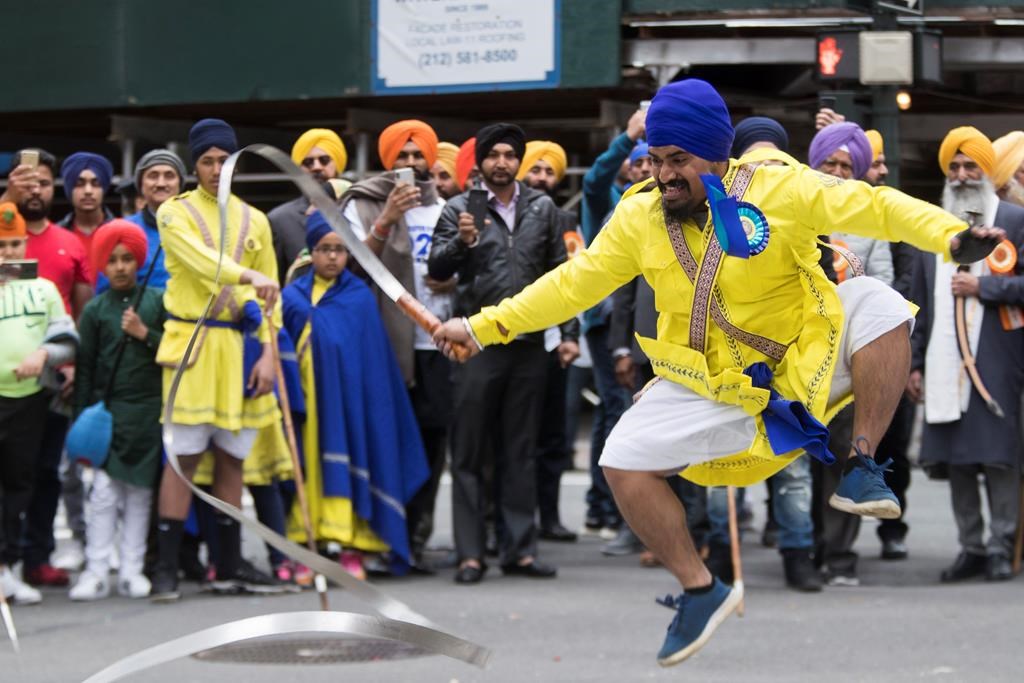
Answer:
(697, 617)
(863, 491)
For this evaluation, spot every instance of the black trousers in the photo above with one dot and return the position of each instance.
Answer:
(498, 398)
(432, 398)
(21, 433)
(552, 444)
(894, 445)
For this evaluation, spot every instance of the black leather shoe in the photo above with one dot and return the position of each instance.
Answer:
(470, 574)
(800, 572)
(557, 532)
(966, 566)
(534, 570)
(998, 568)
(894, 549)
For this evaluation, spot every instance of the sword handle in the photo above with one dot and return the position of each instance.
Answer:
(427, 321)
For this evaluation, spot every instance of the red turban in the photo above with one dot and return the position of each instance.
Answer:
(393, 138)
(465, 161)
(118, 231)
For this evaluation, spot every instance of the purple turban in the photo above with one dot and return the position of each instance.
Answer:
(838, 136)
(691, 115)
(82, 161)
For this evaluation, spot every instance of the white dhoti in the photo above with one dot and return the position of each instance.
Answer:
(671, 426)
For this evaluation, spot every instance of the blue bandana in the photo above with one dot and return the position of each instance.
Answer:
(691, 115)
(640, 151)
(209, 133)
(316, 229)
(81, 161)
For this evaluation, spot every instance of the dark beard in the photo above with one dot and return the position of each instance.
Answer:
(422, 176)
(684, 212)
(34, 214)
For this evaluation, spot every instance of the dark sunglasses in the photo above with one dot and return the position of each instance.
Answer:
(309, 161)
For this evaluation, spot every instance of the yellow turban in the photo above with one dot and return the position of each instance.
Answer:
(971, 142)
(543, 150)
(1009, 157)
(877, 145)
(446, 153)
(327, 140)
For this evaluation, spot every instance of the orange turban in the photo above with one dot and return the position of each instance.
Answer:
(118, 231)
(971, 142)
(464, 162)
(393, 138)
(12, 225)
(446, 155)
(327, 140)
(877, 145)
(544, 150)
(1009, 157)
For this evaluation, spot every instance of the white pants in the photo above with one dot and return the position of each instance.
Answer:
(196, 439)
(108, 498)
(671, 426)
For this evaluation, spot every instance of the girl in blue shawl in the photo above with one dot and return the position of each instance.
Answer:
(364, 459)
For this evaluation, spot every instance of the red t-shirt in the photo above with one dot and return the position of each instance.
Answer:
(86, 241)
(62, 260)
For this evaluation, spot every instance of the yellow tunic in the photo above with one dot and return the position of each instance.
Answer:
(781, 294)
(332, 517)
(211, 390)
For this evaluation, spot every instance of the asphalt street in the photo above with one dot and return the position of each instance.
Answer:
(598, 620)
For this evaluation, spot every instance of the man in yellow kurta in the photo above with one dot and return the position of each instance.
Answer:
(725, 307)
(221, 403)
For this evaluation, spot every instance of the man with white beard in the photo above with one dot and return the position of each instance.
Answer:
(968, 363)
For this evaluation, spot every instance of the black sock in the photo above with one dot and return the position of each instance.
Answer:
(701, 590)
(229, 546)
(852, 463)
(168, 543)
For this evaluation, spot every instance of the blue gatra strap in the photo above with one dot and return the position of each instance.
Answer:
(788, 424)
(725, 217)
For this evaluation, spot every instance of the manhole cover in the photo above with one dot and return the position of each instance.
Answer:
(310, 650)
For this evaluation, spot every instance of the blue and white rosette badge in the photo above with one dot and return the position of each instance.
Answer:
(740, 227)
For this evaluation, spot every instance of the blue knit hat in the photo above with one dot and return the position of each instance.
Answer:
(691, 115)
(81, 161)
(209, 133)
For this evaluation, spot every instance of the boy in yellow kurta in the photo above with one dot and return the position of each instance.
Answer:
(750, 332)
(225, 395)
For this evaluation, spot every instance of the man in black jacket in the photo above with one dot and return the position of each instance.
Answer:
(499, 393)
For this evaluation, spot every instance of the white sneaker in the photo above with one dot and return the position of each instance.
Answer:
(20, 593)
(136, 586)
(90, 587)
(71, 558)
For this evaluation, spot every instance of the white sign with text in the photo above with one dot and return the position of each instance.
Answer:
(464, 45)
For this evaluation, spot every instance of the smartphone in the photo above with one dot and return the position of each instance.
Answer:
(645, 105)
(477, 207)
(30, 158)
(827, 102)
(405, 175)
(19, 269)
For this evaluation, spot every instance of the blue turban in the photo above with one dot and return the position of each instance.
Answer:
(640, 151)
(759, 129)
(691, 115)
(209, 133)
(836, 136)
(316, 229)
(81, 161)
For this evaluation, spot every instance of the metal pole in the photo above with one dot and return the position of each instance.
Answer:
(127, 158)
(885, 114)
(362, 154)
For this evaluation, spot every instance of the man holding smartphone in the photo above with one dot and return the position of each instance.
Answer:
(38, 334)
(395, 213)
(62, 261)
(499, 393)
